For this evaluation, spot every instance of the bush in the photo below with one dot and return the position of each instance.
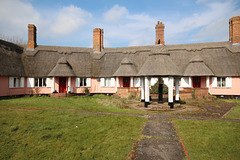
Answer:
(87, 92)
(154, 88)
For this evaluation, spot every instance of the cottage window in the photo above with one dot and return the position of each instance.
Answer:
(83, 82)
(16, 82)
(40, 82)
(221, 81)
(107, 82)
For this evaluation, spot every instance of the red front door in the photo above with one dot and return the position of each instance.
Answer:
(126, 81)
(196, 82)
(62, 84)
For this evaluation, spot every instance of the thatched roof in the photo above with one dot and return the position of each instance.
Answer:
(10, 59)
(126, 68)
(197, 67)
(204, 59)
(159, 65)
(62, 68)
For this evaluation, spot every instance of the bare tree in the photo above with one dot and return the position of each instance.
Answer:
(14, 39)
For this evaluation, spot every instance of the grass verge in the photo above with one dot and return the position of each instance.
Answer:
(65, 135)
(98, 103)
(210, 139)
(235, 113)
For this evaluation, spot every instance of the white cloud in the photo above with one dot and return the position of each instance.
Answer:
(135, 29)
(217, 30)
(215, 11)
(202, 1)
(115, 14)
(69, 19)
(15, 15)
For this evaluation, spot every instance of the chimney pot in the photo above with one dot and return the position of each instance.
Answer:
(32, 36)
(234, 30)
(159, 33)
(98, 39)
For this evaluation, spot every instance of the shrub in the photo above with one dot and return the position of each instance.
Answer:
(154, 88)
(87, 92)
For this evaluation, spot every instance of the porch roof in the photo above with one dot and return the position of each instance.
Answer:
(159, 65)
(62, 68)
(126, 68)
(197, 67)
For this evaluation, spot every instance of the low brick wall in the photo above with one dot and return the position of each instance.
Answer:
(201, 92)
(132, 93)
(189, 93)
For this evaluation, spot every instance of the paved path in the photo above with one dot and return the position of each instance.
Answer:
(161, 141)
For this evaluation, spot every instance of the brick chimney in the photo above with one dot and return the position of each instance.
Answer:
(98, 39)
(32, 36)
(159, 33)
(234, 30)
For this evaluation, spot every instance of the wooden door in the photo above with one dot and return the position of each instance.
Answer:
(62, 84)
(126, 81)
(196, 82)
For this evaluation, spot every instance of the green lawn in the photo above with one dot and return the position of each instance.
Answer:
(46, 134)
(98, 103)
(235, 113)
(218, 140)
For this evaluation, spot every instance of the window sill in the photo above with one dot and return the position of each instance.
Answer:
(15, 87)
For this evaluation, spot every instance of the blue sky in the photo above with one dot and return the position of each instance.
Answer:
(125, 22)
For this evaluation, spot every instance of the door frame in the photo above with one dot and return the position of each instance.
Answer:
(126, 84)
(196, 82)
(62, 84)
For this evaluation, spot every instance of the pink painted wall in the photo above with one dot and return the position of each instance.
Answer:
(57, 84)
(36, 90)
(96, 87)
(234, 90)
(6, 91)
(120, 79)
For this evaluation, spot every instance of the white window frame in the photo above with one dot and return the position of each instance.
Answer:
(107, 82)
(83, 82)
(137, 82)
(221, 82)
(16, 82)
(215, 82)
(40, 82)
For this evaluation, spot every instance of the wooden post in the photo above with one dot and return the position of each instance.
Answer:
(146, 91)
(170, 92)
(142, 90)
(177, 90)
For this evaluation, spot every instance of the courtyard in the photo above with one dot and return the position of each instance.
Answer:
(103, 127)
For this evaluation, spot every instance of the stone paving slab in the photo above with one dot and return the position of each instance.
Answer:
(159, 149)
(159, 129)
(162, 142)
(159, 117)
